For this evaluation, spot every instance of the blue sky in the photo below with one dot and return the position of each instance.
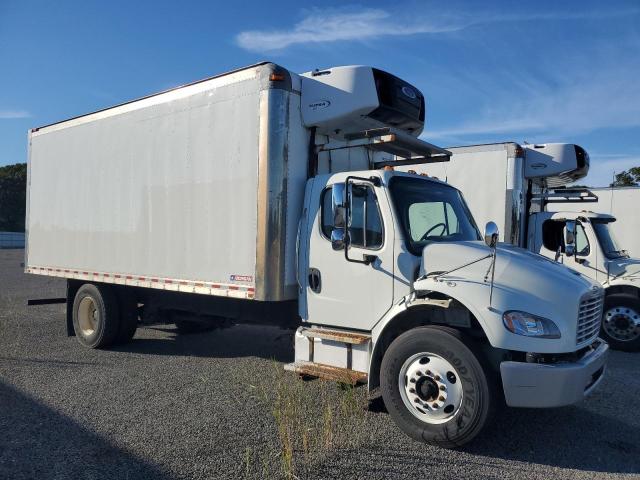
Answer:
(491, 71)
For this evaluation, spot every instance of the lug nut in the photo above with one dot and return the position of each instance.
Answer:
(443, 388)
(437, 378)
(441, 398)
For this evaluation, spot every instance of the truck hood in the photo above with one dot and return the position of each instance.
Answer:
(518, 272)
(512, 263)
(524, 281)
(624, 268)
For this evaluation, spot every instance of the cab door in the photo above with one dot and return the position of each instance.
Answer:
(550, 239)
(340, 292)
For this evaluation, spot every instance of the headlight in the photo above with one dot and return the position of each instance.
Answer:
(523, 323)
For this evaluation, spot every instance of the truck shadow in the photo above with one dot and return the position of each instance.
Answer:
(38, 442)
(270, 343)
(571, 437)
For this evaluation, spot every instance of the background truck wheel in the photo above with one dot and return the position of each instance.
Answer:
(621, 322)
(435, 388)
(128, 317)
(96, 316)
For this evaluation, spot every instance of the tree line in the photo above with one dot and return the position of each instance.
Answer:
(627, 178)
(13, 197)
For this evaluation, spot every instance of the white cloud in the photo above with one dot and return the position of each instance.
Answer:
(12, 114)
(331, 25)
(570, 100)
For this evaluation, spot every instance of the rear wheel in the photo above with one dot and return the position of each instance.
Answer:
(96, 316)
(621, 322)
(435, 388)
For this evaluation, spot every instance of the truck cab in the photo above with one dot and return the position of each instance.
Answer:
(584, 242)
(398, 288)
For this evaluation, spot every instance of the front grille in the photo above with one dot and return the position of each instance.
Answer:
(589, 317)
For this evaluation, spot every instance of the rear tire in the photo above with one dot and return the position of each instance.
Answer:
(435, 388)
(96, 316)
(621, 322)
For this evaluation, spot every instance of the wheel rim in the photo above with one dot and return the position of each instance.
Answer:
(622, 323)
(430, 387)
(87, 316)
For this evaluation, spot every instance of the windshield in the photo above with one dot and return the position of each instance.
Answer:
(431, 212)
(607, 240)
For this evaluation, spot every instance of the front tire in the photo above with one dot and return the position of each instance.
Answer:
(96, 316)
(621, 322)
(435, 388)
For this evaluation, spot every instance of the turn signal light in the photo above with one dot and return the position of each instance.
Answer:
(276, 77)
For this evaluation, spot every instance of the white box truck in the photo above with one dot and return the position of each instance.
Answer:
(520, 187)
(265, 196)
(621, 203)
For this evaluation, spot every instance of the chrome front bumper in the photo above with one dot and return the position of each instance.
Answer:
(545, 385)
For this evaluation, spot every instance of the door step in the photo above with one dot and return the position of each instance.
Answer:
(336, 335)
(328, 372)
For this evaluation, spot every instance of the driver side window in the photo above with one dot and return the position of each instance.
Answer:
(432, 219)
(366, 229)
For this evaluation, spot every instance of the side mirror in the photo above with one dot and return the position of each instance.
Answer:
(491, 234)
(570, 238)
(339, 208)
(339, 205)
(337, 239)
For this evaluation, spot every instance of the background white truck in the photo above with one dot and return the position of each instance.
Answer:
(621, 203)
(263, 196)
(521, 188)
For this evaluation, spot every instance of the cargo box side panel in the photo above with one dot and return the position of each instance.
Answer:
(163, 190)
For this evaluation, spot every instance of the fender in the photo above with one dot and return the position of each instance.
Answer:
(622, 285)
(397, 313)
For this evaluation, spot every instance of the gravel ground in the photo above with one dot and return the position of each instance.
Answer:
(217, 405)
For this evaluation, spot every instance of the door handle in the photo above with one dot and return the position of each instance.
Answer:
(315, 282)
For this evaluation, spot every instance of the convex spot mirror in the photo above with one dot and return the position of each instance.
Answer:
(491, 234)
(569, 238)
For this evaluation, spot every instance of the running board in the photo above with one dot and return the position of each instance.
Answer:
(336, 335)
(337, 374)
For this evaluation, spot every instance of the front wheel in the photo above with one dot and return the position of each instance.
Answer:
(621, 322)
(435, 388)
